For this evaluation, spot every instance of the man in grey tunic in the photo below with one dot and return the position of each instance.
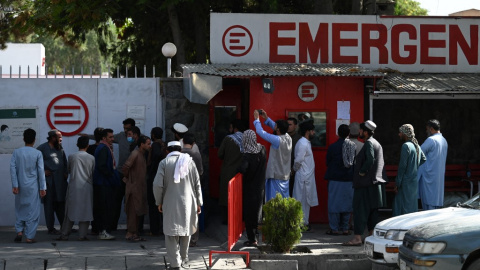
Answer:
(178, 195)
(79, 201)
(55, 165)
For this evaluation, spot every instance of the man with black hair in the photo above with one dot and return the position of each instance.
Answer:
(55, 165)
(292, 131)
(133, 135)
(279, 159)
(340, 191)
(134, 173)
(188, 143)
(178, 195)
(305, 188)
(368, 178)
(231, 152)
(105, 180)
(431, 178)
(28, 186)
(157, 153)
(79, 201)
(97, 134)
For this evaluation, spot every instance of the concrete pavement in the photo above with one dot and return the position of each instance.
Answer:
(327, 252)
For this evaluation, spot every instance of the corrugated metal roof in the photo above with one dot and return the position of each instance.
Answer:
(276, 70)
(413, 83)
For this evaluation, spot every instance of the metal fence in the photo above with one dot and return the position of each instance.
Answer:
(35, 73)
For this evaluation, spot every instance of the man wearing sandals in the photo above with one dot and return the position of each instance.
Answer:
(79, 200)
(339, 176)
(134, 176)
(28, 185)
(178, 195)
(368, 178)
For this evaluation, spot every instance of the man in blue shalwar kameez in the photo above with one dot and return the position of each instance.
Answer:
(431, 181)
(279, 159)
(28, 185)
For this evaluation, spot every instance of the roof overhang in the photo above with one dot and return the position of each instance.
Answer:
(447, 85)
(203, 81)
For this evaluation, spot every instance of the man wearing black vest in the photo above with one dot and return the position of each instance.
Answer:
(369, 175)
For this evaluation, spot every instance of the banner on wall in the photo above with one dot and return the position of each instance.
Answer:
(12, 124)
(418, 44)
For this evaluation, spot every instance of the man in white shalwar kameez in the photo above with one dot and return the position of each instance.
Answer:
(79, 199)
(178, 195)
(28, 185)
(304, 189)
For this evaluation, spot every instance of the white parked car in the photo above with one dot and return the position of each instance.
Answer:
(382, 247)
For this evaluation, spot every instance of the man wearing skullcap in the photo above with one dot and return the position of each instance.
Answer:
(179, 131)
(178, 195)
(368, 176)
(431, 178)
(406, 183)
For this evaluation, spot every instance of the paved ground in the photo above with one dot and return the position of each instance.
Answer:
(120, 254)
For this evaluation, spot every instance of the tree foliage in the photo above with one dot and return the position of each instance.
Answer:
(143, 26)
(409, 8)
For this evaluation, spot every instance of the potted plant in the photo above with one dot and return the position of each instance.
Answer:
(283, 223)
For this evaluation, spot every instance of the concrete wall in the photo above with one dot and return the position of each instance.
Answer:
(107, 100)
(194, 116)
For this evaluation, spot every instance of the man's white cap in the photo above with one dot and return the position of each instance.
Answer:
(180, 128)
(174, 143)
(370, 125)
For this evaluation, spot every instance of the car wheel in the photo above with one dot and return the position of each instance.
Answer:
(376, 266)
(474, 265)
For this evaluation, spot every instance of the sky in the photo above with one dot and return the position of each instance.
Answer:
(445, 7)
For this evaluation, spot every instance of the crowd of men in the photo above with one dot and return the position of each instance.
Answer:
(90, 186)
(163, 180)
(355, 172)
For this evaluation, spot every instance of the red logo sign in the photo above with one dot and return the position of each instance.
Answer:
(69, 114)
(307, 91)
(237, 41)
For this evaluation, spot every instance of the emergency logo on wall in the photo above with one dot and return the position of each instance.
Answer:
(307, 91)
(67, 113)
(237, 41)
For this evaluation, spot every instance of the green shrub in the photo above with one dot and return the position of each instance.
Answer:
(283, 223)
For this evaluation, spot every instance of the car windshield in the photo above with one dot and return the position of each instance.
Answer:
(473, 203)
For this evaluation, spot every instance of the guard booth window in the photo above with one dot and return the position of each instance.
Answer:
(319, 120)
(224, 115)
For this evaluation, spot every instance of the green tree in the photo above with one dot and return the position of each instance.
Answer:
(409, 8)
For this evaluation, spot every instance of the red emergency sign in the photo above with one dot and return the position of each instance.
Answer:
(68, 114)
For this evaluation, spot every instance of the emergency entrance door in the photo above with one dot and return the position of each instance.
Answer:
(224, 107)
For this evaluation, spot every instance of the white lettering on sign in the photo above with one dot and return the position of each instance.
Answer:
(406, 44)
(307, 91)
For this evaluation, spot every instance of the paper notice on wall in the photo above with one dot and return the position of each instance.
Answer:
(343, 109)
(13, 122)
(341, 122)
(136, 112)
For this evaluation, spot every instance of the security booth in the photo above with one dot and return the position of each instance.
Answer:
(329, 94)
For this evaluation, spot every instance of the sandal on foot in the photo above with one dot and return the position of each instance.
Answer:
(18, 238)
(135, 239)
(62, 238)
(330, 232)
(351, 244)
(31, 241)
